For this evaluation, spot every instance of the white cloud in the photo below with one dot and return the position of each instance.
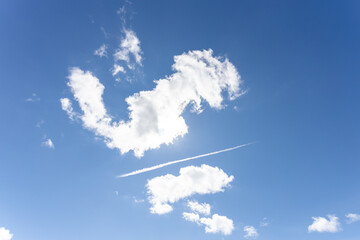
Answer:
(352, 217)
(155, 116)
(66, 105)
(116, 69)
(167, 189)
(202, 208)
(321, 224)
(265, 222)
(5, 234)
(191, 217)
(40, 123)
(101, 51)
(48, 143)
(215, 224)
(138, 200)
(250, 232)
(129, 46)
(33, 98)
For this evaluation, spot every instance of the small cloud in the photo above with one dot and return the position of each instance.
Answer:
(66, 105)
(129, 46)
(5, 234)
(106, 35)
(202, 208)
(40, 123)
(250, 232)
(321, 224)
(101, 51)
(138, 200)
(33, 98)
(116, 69)
(48, 143)
(265, 222)
(352, 217)
(215, 224)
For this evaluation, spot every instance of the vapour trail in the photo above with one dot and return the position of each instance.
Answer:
(181, 160)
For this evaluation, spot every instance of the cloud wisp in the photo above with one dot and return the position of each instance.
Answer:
(155, 116)
(181, 160)
(352, 217)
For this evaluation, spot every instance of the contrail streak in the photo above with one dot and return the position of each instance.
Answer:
(181, 160)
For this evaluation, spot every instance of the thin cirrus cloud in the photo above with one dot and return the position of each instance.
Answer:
(101, 51)
(155, 115)
(250, 232)
(33, 98)
(215, 224)
(48, 143)
(168, 189)
(5, 234)
(330, 224)
(352, 217)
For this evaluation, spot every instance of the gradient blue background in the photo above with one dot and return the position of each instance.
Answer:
(298, 59)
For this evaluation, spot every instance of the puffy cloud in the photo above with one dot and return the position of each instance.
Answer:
(48, 143)
(129, 45)
(321, 224)
(116, 69)
(250, 232)
(202, 208)
(191, 217)
(352, 217)
(5, 234)
(101, 51)
(215, 224)
(155, 115)
(167, 189)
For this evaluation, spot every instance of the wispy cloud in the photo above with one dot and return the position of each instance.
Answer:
(66, 105)
(129, 47)
(5, 234)
(265, 222)
(40, 123)
(179, 161)
(116, 69)
(322, 224)
(33, 98)
(352, 217)
(250, 232)
(101, 51)
(155, 115)
(215, 224)
(48, 143)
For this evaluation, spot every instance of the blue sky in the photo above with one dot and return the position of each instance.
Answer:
(297, 98)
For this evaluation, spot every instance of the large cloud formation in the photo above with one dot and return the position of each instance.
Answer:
(5, 234)
(155, 115)
(167, 189)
